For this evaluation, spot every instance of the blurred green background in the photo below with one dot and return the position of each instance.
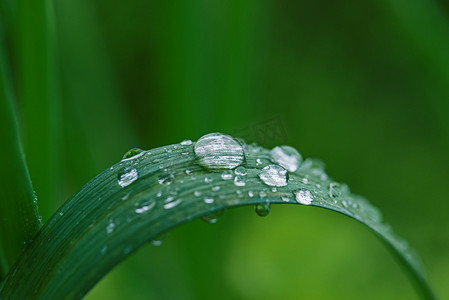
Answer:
(363, 85)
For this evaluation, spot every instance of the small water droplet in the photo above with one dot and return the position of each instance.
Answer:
(159, 194)
(285, 198)
(186, 142)
(197, 193)
(227, 175)
(305, 180)
(241, 170)
(262, 209)
(323, 177)
(172, 203)
(127, 176)
(212, 217)
(250, 194)
(61, 213)
(274, 175)
(334, 190)
(145, 208)
(262, 194)
(208, 179)
(110, 227)
(208, 200)
(217, 151)
(258, 162)
(188, 171)
(104, 249)
(167, 179)
(304, 196)
(240, 180)
(286, 156)
(133, 153)
(158, 240)
(216, 188)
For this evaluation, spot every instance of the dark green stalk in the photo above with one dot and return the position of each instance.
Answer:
(37, 93)
(18, 214)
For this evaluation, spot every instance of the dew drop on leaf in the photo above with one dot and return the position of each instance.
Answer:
(145, 208)
(158, 240)
(334, 190)
(274, 175)
(186, 142)
(217, 151)
(226, 175)
(240, 180)
(287, 157)
(133, 153)
(110, 227)
(127, 176)
(171, 202)
(208, 200)
(241, 170)
(262, 209)
(304, 196)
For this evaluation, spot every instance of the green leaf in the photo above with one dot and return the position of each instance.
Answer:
(18, 213)
(147, 194)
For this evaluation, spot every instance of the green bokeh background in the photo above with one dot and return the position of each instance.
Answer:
(363, 85)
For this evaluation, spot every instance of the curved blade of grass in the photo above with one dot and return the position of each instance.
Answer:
(18, 213)
(104, 222)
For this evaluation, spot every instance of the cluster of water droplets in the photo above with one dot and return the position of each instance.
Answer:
(217, 152)
(230, 157)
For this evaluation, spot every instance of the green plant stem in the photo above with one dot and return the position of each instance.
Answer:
(37, 84)
(18, 214)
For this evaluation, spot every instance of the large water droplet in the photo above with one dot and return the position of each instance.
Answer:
(262, 209)
(133, 153)
(274, 175)
(287, 157)
(304, 196)
(218, 151)
(127, 176)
